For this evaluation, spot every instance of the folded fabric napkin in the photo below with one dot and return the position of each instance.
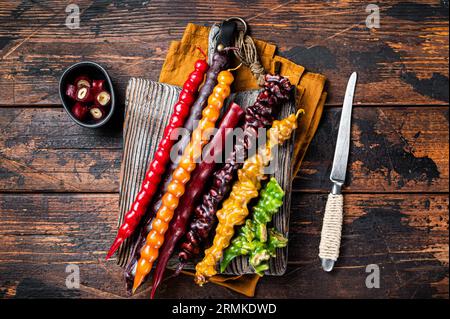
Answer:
(311, 93)
(310, 96)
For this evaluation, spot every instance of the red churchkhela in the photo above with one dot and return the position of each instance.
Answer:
(161, 158)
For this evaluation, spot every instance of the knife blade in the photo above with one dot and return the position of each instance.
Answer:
(332, 222)
(339, 168)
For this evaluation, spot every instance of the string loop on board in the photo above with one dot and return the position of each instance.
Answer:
(248, 55)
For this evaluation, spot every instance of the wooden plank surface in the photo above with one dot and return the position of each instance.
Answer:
(393, 150)
(405, 235)
(403, 62)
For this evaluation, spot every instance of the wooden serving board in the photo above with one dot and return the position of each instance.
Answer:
(148, 108)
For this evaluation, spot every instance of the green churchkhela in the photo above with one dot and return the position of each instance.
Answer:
(253, 238)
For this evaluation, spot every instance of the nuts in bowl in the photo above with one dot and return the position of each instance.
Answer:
(87, 94)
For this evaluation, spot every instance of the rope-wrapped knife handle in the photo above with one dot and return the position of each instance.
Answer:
(330, 240)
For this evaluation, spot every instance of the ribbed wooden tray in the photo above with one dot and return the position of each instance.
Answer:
(148, 108)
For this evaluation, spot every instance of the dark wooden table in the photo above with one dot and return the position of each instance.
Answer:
(59, 183)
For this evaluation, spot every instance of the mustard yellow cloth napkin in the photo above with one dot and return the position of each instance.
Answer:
(310, 96)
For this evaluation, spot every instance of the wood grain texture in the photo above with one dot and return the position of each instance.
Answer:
(406, 235)
(397, 193)
(393, 150)
(43, 150)
(405, 61)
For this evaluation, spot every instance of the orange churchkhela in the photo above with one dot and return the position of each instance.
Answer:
(181, 176)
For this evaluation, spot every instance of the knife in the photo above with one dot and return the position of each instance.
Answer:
(330, 239)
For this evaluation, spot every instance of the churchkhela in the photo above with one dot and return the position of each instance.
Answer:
(253, 238)
(181, 176)
(161, 158)
(234, 209)
(276, 91)
(194, 190)
(219, 62)
(186, 200)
